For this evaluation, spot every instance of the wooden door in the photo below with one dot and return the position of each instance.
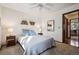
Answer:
(65, 30)
(68, 33)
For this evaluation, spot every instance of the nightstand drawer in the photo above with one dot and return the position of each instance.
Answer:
(10, 37)
(11, 43)
(10, 40)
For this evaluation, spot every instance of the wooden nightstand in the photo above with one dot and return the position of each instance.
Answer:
(10, 40)
(40, 33)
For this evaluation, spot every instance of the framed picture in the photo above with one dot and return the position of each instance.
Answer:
(32, 22)
(50, 25)
(24, 22)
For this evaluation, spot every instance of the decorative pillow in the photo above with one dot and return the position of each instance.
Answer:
(25, 32)
(31, 33)
(28, 32)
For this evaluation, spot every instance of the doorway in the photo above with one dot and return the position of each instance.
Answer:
(71, 28)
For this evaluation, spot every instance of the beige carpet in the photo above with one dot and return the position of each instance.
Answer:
(60, 49)
(12, 50)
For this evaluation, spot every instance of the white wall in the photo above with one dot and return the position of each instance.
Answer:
(57, 16)
(0, 27)
(13, 18)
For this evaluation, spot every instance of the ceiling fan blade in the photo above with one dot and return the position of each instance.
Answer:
(47, 8)
(49, 4)
(33, 4)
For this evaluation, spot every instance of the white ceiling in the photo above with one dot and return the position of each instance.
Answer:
(27, 7)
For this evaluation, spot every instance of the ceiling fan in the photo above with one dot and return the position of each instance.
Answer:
(42, 5)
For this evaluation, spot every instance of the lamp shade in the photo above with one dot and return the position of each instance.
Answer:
(39, 27)
(10, 30)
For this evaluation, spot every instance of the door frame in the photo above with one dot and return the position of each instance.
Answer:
(63, 38)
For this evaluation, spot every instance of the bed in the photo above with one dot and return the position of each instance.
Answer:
(35, 44)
